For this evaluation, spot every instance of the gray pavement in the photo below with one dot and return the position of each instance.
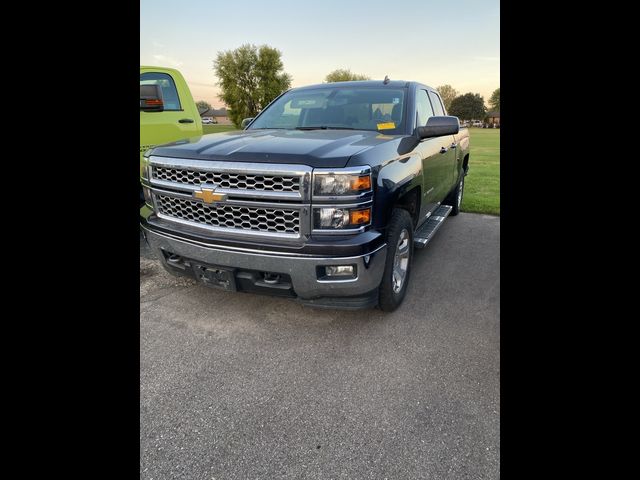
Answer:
(239, 386)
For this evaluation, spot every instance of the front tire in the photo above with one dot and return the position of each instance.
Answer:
(455, 198)
(397, 270)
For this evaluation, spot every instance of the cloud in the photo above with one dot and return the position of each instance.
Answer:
(157, 44)
(167, 60)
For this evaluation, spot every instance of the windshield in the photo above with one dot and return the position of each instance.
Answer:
(363, 108)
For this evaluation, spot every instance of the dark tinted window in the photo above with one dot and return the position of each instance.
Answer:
(169, 92)
(437, 104)
(423, 108)
(378, 109)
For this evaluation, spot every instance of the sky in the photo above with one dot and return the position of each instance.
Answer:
(432, 42)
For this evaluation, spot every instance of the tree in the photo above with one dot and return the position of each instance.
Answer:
(494, 101)
(344, 75)
(447, 94)
(250, 77)
(202, 106)
(469, 106)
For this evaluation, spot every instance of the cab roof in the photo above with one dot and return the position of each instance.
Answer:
(161, 69)
(363, 83)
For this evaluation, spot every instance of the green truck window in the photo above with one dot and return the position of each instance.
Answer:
(168, 86)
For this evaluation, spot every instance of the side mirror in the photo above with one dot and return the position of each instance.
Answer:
(151, 98)
(246, 122)
(438, 127)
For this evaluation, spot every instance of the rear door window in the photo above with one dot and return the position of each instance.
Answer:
(169, 92)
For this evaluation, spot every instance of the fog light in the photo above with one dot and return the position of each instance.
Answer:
(339, 271)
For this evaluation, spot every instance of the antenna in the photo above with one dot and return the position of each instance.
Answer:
(386, 79)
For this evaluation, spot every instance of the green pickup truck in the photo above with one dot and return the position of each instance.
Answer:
(173, 116)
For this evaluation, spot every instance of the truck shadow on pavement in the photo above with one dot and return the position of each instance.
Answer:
(443, 279)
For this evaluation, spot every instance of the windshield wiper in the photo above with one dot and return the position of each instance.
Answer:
(325, 127)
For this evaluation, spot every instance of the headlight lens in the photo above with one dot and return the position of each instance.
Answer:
(144, 168)
(341, 184)
(147, 196)
(331, 218)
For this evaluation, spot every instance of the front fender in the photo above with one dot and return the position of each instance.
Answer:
(394, 180)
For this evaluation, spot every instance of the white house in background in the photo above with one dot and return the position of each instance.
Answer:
(219, 116)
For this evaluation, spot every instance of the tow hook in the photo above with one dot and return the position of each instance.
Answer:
(271, 278)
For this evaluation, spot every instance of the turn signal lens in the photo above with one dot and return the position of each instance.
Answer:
(361, 183)
(360, 217)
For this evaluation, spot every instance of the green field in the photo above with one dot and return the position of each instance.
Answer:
(482, 185)
(217, 128)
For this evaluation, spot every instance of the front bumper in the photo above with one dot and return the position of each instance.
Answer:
(301, 270)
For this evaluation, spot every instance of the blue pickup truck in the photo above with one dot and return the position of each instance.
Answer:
(322, 197)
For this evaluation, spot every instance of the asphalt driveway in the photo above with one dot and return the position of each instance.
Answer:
(237, 385)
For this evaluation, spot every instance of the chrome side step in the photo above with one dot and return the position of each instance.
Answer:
(424, 234)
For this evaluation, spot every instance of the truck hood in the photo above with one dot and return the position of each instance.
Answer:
(316, 148)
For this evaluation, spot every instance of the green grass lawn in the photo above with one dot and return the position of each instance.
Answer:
(482, 185)
(217, 128)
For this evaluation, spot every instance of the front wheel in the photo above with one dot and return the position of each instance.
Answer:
(397, 269)
(455, 198)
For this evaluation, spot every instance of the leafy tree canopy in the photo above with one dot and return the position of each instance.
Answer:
(494, 101)
(250, 77)
(202, 106)
(469, 106)
(344, 75)
(447, 94)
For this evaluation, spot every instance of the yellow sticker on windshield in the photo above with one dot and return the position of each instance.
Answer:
(386, 126)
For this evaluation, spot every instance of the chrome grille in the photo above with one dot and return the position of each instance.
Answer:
(274, 183)
(270, 220)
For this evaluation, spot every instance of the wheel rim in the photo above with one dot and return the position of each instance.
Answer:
(401, 261)
(460, 190)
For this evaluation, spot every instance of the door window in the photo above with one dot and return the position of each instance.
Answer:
(168, 86)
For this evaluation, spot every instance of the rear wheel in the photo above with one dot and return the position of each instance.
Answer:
(397, 270)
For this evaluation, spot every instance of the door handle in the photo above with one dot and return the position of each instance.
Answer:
(185, 120)
(454, 145)
(443, 150)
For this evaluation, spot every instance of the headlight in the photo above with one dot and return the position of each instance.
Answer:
(336, 183)
(331, 218)
(147, 196)
(144, 168)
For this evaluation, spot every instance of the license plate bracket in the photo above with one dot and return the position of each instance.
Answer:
(216, 277)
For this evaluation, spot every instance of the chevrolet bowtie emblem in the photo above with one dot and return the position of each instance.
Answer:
(208, 195)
